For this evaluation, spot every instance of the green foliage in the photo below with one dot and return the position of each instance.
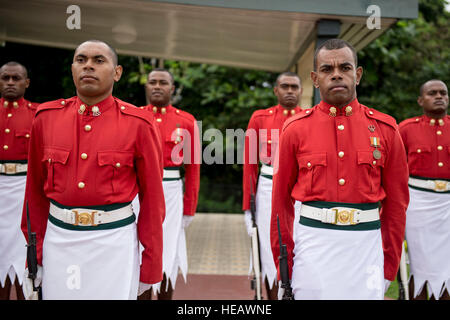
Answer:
(410, 53)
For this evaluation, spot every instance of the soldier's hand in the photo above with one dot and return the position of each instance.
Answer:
(248, 222)
(187, 221)
(27, 286)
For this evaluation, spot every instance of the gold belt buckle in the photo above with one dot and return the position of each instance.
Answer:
(10, 168)
(440, 185)
(344, 216)
(84, 218)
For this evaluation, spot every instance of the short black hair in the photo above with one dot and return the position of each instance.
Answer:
(15, 64)
(287, 74)
(422, 87)
(164, 70)
(113, 51)
(334, 44)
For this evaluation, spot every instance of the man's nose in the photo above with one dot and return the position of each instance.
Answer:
(11, 81)
(89, 64)
(336, 74)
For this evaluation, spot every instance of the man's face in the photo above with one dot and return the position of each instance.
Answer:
(13, 82)
(288, 91)
(159, 88)
(434, 98)
(336, 76)
(93, 70)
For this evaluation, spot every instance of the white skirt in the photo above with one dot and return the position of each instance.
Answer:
(174, 236)
(428, 239)
(263, 215)
(337, 264)
(90, 265)
(13, 251)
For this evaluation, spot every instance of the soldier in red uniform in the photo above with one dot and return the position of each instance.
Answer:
(261, 143)
(16, 115)
(342, 160)
(427, 143)
(181, 150)
(89, 156)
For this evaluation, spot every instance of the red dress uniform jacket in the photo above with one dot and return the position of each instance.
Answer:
(261, 145)
(326, 158)
(86, 160)
(15, 128)
(427, 143)
(179, 133)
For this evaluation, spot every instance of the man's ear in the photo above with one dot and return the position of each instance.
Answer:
(314, 79)
(359, 73)
(420, 101)
(117, 72)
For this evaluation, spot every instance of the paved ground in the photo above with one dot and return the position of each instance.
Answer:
(218, 256)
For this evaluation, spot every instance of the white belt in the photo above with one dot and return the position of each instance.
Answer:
(435, 185)
(267, 170)
(340, 215)
(88, 217)
(13, 168)
(171, 174)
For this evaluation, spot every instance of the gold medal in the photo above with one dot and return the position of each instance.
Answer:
(376, 154)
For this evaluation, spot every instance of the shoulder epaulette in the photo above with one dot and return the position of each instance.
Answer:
(132, 110)
(263, 112)
(303, 114)
(380, 116)
(409, 121)
(184, 114)
(55, 104)
(32, 105)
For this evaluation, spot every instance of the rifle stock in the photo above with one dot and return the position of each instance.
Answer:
(256, 281)
(32, 257)
(284, 268)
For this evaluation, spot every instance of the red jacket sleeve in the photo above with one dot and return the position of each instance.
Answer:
(192, 172)
(285, 177)
(149, 167)
(394, 205)
(35, 197)
(251, 160)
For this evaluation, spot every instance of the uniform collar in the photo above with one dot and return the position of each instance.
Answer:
(12, 104)
(287, 112)
(334, 111)
(95, 109)
(161, 110)
(435, 122)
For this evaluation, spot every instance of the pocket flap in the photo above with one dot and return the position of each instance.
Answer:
(311, 160)
(113, 158)
(52, 154)
(367, 157)
(23, 133)
(420, 149)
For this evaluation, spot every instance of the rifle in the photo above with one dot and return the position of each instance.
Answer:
(284, 268)
(402, 277)
(32, 259)
(255, 283)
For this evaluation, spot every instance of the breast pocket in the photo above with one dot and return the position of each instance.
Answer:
(268, 147)
(419, 156)
(174, 145)
(115, 172)
(55, 161)
(370, 170)
(23, 138)
(313, 172)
